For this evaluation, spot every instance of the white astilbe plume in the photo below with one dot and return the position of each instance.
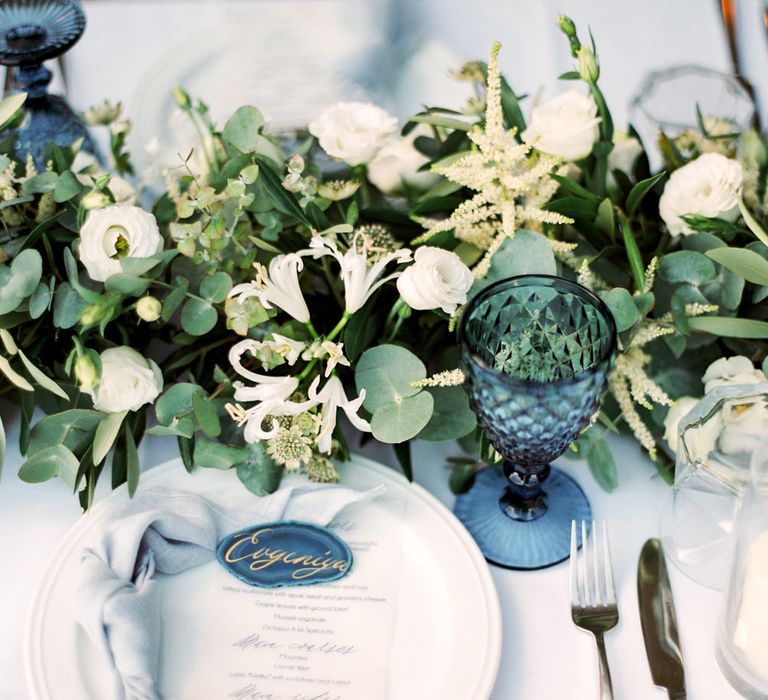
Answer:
(511, 185)
(449, 377)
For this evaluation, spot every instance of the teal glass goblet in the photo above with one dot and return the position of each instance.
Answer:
(536, 352)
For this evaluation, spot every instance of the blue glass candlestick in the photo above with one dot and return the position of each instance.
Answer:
(536, 352)
(33, 31)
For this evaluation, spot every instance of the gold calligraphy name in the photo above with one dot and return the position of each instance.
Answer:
(263, 557)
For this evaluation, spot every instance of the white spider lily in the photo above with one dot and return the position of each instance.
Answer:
(269, 393)
(289, 348)
(335, 352)
(332, 398)
(360, 279)
(278, 287)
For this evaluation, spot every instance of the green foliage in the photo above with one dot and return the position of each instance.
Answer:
(19, 280)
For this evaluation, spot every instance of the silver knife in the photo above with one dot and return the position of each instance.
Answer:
(657, 617)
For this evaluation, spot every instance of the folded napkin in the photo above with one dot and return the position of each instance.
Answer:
(166, 532)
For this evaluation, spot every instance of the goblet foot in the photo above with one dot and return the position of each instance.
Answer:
(515, 544)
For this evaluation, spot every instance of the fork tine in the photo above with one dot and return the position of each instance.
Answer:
(574, 578)
(585, 576)
(610, 592)
(597, 566)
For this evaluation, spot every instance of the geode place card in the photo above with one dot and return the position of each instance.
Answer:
(286, 553)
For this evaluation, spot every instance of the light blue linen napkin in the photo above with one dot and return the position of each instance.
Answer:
(167, 532)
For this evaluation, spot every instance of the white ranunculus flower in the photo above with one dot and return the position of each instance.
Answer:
(128, 381)
(708, 186)
(626, 150)
(353, 131)
(677, 411)
(438, 279)
(397, 164)
(115, 232)
(566, 126)
(731, 370)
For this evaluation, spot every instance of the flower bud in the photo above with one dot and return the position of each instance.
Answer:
(588, 68)
(753, 148)
(92, 314)
(94, 200)
(182, 97)
(567, 26)
(86, 373)
(148, 308)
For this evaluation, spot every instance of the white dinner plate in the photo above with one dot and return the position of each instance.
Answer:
(447, 638)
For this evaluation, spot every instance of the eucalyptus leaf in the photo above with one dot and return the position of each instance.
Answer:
(174, 299)
(41, 183)
(462, 478)
(20, 280)
(242, 132)
(687, 266)
(140, 266)
(752, 223)
(176, 402)
(198, 317)
(215, 287)
(528, 253)
(206, 415)
(386, 373)
(259, 473)
(47, 463)
(623, 307)
(452, 417)
(40, 301)
(215, 455)
(127, 285)
(402, 420)
(67, 186)
(106, 433)
(68, 306)
(74, 428)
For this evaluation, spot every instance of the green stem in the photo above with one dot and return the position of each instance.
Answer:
(312, 330)
(165, 285)
(339, 326)
(333, 334)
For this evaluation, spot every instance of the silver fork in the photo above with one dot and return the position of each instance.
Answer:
(593, 598)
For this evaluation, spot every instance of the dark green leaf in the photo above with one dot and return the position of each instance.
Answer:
(403, 454)
(462, 477)
(47, 463)
(259, 473)
(639, 191)
(282, 199)
(106, 434)
(452, 417)
(127, 285)
(728, 327)
(198, 317)
(133, 468)
(215, 455)
(186, 451)
(206, 415)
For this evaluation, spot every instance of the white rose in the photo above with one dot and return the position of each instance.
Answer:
(128, 381)
(708, 186)
(731, 370)
(626, 150)
(397, 165)
(353, 131)
(566, 126)
(437, 279)
(677, 411)
(117, 231)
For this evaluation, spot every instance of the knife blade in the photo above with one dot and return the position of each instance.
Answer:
(658, 620)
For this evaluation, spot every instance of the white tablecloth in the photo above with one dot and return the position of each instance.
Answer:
(544, 655)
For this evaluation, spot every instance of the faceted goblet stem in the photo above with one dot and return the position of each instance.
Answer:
(524, 498)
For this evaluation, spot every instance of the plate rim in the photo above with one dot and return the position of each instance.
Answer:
(33, 630)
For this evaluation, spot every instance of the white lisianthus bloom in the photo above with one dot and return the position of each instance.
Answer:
(117, 231)
(731, 370)
(397, 164)
(353, 131)
(566, 126)
(708, 186)
(626, 150)
(677, 411)
(128, 381)
(332, 398)
(279, 287)
(360, 279)
(438, 279)
(746, 425)
(270, 393)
